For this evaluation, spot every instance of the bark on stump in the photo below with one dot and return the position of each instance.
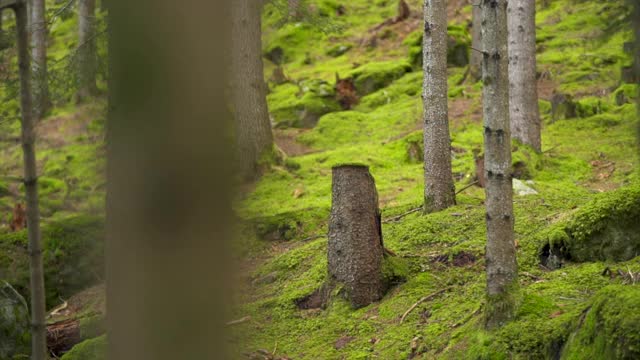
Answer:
(355, 250)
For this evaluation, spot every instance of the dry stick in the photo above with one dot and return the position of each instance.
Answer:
(551, 149)
(466, 187)
(239, 321)
(428, 297)
(396, 218)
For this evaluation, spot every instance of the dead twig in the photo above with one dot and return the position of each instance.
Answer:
(428, 297)
(466, 187)
(239, 321)
(396, 218)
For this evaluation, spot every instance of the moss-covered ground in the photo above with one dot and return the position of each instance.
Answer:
(561, 312)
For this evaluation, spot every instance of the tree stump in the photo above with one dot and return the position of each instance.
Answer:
(355, 250)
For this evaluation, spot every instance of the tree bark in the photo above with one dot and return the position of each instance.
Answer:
(475, 64)
(439, 190)
(87, 56)
(501, 265)
(252, 123)
(355, 250)
(39, 55)
(523, 91)
(294, 9)
(169, 196)
(38, 335)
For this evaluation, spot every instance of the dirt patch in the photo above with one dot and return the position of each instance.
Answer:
(287, 141)
(316, 300)
(463, 110)
(59, 131)
(546, 87)
(343, 341)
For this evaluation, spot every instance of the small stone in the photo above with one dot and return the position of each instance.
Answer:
(521, 189)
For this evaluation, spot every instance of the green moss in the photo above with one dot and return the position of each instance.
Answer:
(609, 328)
(93, 349)
(301, 105)
(73, 257)
(377, 75)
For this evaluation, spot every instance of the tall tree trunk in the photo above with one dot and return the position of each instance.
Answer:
(475, 64)
(523, 91)
(38, 336)
(501, 265)
(168, 182)
(636, 63)
(39, 55)
(439, 190)
(87, 56)
(252, 123)
(355, 250)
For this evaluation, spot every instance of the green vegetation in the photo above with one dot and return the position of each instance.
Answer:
(93, 349)
(580, 54)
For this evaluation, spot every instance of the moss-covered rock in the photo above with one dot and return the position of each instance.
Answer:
(73, 257)
(301, 105)
(606, 229)
(93, 349)
(14, 323)
(610, 328)
(458, 46)
(377, 75)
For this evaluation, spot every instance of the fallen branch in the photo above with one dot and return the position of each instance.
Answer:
(466, 187)
(314, 237)
(239, 321)
(428, 297)
(396, 218)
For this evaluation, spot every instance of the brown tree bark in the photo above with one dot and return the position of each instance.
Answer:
(439, 190)
(355, 250)
(252, 123)
(87, 52)
(294, 9)
(38, 335)
(523, 90)
(501, 265)
(40, 75)
(168, 180)
(475, 64)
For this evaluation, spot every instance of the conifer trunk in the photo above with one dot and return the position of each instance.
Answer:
(252, 123)
(501, 265)
(38, 334)
(523, 91)
(439, 190)
(355, 250)
(87, 56)
(41, 99)
(475, 64)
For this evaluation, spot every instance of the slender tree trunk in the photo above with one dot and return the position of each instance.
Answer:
(38, 336)
(87, 56)
(475, 64)
(439, 190)
(501, 265)
(355, 250)
(294, 9)
(39, 55)
(252, 123)
(523, 91)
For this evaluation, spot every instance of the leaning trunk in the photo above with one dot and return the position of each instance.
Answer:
(475, 65)
(252, 123)
(87, 56)
(38, 336)
(355, 250)
(439, 191)
(501, 266)
(39, 55)
(523, 94)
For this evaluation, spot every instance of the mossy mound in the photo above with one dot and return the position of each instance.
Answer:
(301, 105)
(377, 75)
(610, 327)
(458, 45)
(92, 349)
(606, 229)
(73, 257)
(14, 323)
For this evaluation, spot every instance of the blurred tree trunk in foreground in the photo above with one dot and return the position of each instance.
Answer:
(475, 64)
(168, 186)
(501, 265)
